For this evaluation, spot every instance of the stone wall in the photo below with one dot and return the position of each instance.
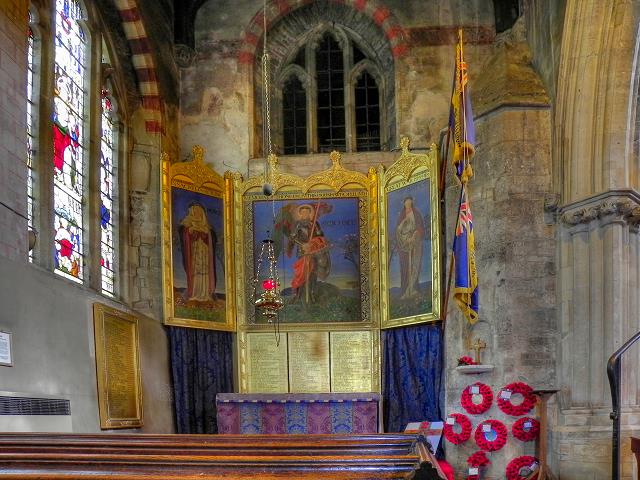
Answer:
(218, 107)
(13, 114)
(515, 245)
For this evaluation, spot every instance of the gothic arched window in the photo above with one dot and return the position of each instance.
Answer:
(31, 122)
(72, 175)
(69, 118)
(330, 96)
(294, 115)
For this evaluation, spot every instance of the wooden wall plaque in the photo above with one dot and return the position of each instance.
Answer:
(117, 368)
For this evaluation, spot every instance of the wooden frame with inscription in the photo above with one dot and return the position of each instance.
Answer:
(197, 245)
(117, 368)
(410, 239)
(325, 232)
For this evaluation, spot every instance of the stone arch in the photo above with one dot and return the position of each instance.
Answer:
(374, 10)
(143, 64)
(306, 25)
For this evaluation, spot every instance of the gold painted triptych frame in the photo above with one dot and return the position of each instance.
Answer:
(374, 264)
(410, 282)
(197, 245)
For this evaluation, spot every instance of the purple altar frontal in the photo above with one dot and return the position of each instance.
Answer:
(298, 413)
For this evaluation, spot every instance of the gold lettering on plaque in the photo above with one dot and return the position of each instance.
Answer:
(121, 365)
(267, 363)
(309, 362)
(118, 368)
(351, 364)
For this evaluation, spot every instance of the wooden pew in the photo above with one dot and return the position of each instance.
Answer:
(63, 456)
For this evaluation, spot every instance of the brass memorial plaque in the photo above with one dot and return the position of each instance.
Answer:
(308, 362)
(351, 364)
(267, 363)
(118, 368)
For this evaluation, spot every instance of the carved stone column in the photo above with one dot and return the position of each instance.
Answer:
(598, 288)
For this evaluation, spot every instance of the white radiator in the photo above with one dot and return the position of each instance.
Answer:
(24, 412)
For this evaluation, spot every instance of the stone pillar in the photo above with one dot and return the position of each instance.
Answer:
(598, 256)
(596, 176)
(515, 245)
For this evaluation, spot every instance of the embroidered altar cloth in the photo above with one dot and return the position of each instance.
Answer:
(298, 413)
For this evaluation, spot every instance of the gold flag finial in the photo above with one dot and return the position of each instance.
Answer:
(197, 151)
(404, 143)
(336, 158)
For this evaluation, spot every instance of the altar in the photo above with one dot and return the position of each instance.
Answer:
(298, 413)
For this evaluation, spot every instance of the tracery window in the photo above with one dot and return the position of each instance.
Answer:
(68, 139)
(331, 96)
(107, 179)
(31, 126)
(80, 172)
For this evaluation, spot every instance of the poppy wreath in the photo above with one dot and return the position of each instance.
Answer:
(520, 433)
(515, 465)
(478, 459)
(467, 402)
(528, 402)
(465, 431)
(491, 445)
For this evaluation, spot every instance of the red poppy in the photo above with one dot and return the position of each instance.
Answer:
(516, 465)
(492, 440)
(466, 400)
(528, 402)
(525, 432)
(465, 429)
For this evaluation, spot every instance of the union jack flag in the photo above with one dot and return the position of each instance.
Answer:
(465, 290)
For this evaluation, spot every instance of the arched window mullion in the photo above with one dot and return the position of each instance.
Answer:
(108, 212)
(33, 63)
(283, 103)
(365, 81)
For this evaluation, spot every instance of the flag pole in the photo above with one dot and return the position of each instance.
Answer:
(445, 303)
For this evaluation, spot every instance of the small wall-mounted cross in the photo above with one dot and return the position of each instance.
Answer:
(478, 345)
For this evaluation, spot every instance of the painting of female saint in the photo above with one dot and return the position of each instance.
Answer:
(198, 256)
(409, 250)
(317, 245)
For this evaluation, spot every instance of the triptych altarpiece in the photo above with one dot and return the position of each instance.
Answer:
(356, 253)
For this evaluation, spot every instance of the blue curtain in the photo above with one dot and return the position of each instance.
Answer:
(413, 362)
(201, 367)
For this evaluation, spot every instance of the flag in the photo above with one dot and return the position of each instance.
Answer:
(465, 290)
(461, 118)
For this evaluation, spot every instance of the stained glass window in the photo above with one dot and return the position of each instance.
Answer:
(68, 139)
(30, 126)
(107, 178)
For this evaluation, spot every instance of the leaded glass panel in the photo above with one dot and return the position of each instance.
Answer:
(30, 127)
(68, 138)
(107, 179)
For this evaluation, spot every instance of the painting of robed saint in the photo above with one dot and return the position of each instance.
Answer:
(409, 250)
(317, 246)
(198, 256)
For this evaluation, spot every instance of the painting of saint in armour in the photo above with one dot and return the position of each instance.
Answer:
(409, 250)
(317, 246)
(198, 256)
